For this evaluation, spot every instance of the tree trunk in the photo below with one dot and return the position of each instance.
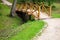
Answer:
(13, 8)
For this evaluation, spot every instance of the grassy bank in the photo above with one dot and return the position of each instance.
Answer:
(5, 20)
(11, 25)
(56, 11)
(7, 24)
(29, 32)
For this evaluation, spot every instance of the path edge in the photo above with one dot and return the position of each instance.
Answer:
(41, 31)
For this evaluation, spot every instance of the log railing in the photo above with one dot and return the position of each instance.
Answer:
(35, 7)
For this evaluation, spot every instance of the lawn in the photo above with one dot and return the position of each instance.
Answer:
(34, 27)
(55, 15)
(29, 32)
(12, 29)
(7, 24)
(56, 11)
(5, 20)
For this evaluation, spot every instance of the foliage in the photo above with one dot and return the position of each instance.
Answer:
(37, 1)
(21, 1)
(58, 1)
(56, 11)
(50, 2)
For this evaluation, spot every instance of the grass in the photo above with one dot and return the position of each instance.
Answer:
(29, 32)
(56, 15)
(56, 11)
(9, 26)
(6, 21)
(26, 31)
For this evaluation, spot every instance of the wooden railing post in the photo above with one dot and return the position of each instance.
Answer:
(50, 11)
(39, 12)
(43, 9)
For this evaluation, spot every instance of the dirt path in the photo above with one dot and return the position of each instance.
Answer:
(43, 15)
(52, 32)
(6, 2)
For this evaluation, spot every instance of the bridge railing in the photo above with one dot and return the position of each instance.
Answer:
(46, 9)
(41, 8)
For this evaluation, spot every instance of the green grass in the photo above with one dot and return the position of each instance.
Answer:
(9, 24)
(5, 20)
(55, 15)
(29, 32)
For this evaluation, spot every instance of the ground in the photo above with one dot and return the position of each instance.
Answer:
(52, 32)
(11, 28)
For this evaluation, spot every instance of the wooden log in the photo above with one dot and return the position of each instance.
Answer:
(18, 7)
(39, 12)
(43, 9)
(50, 11)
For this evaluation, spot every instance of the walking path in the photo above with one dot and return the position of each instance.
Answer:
(6, 2)
(52, 32)
(43, 15)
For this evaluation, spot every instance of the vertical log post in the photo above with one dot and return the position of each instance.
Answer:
(38, 12)
(43, 7)
(25, 6)
(50, 11)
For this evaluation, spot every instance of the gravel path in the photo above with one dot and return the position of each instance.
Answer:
(52, 32)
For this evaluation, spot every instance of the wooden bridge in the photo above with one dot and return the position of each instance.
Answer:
(36, 10)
